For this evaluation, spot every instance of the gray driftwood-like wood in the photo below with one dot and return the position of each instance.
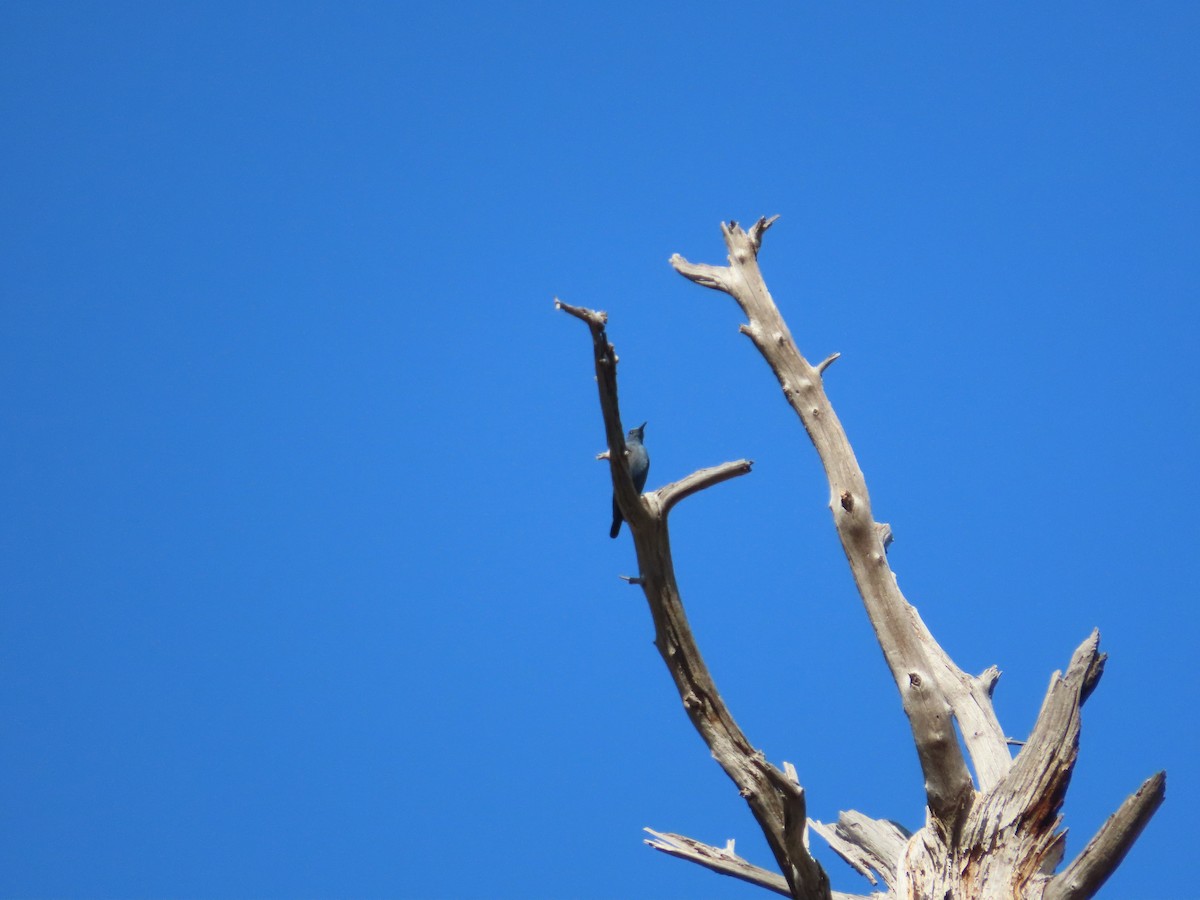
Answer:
(997, 835)
(776, 802)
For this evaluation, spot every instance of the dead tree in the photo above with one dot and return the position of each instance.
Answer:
(995, 836)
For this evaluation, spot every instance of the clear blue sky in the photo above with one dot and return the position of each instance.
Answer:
(307, 589)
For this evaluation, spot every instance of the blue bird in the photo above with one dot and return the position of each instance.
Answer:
(639, 468)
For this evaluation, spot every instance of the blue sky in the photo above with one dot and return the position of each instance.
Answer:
(306, 583)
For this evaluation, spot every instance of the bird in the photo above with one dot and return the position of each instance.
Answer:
(639, 468)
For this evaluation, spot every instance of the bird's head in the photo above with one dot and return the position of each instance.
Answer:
(635, 434)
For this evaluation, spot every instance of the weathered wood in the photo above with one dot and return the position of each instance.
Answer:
(724, 861)
(934, 692)
(776, 802)
(996, 837)
(866, 844)
(999, 838)
(720, 859)
(1099, 859)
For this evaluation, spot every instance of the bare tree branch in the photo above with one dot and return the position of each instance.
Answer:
(1099, 859)
(720, 859)
(1049, 754)
(1002, 839)
(704, 275)
(776, 802)
(1018, 818)
(997, 840)
(724, 861)
(866, 844)
(756, 230)
(932, 689)
(668, 496)
(827, 362)
(605, 358)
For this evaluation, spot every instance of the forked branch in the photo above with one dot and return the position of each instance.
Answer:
(997, 839)
(934, 692)
(776, 801)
